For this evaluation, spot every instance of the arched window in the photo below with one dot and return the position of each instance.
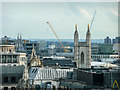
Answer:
(82, 58)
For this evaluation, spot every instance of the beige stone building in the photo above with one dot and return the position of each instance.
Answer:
(9, 56)
(82, 50)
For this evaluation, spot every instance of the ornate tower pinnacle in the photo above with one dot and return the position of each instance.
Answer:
(88, 26)
(88, 32)
(76, 27)
(33, 55)
(33, 46)
(88, 36)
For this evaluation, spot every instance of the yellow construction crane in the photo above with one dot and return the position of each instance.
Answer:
(57, 37)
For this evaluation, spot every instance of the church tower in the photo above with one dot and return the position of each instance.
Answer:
(88, 52)
(76, 44)
(82, 50)
(19, 44)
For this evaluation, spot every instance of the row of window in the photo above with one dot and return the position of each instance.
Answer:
(8, 61)
(6, 50)
(12, 79)
(104, 57)
(6, 88)
(94, 47)
(9, 56)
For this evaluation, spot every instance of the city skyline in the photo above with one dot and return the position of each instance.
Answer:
(59, 44)
(30, 19)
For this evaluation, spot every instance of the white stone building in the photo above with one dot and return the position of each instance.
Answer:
(9, 56)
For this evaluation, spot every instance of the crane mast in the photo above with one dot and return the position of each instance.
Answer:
(92, 19)
(57, 36)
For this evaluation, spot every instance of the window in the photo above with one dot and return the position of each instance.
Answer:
(13, 79)
(5, 88)
(23, 59)
(14, 59)
(9, 61)
(82, 58)
(33, 70)
(9, 58)
(3, 59)
(14, 56)
(2, 49)
(13, 88)
(5, 79)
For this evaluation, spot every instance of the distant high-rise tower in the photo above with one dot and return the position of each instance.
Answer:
(82, 50)
(107, 40)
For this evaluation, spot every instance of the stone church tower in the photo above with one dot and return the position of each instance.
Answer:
(76, 44)
(88, 48)
(82, 50)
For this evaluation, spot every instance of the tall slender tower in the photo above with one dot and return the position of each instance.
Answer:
(76, 44)
(88, 52)
(33, 55)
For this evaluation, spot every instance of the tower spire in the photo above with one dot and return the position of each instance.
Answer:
(33, 55)
(76, 27)
(33, 46)
(88, 26)
(88, 31)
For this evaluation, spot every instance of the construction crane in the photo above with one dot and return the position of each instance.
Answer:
(57, 37)
(92, 19)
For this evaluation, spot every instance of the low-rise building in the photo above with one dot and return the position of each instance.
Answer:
(9, 56)
(9, 76)
(96, 78)
(104, 56)
(101, 48)
(103, 52)
(11, 67)
(60, 62)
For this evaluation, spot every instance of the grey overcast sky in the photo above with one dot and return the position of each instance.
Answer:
(29, 18)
